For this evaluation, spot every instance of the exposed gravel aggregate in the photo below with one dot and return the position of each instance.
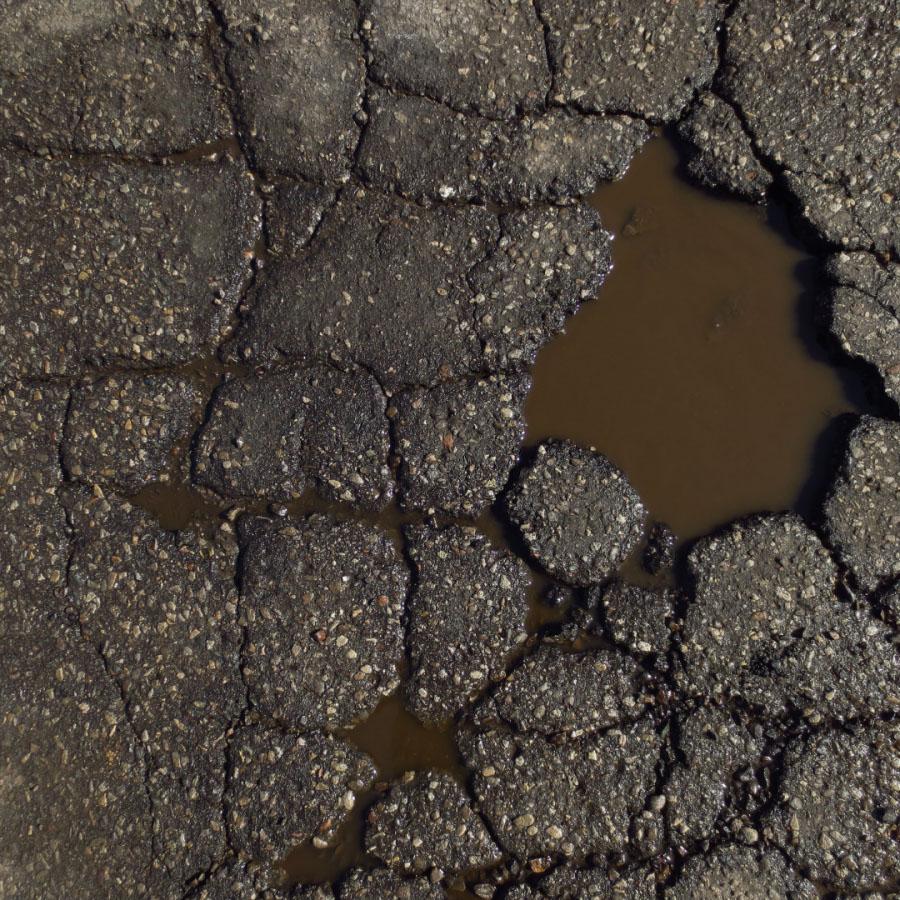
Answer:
(458, 442)
(638, 618)
(75, 812)
(765, 626)
(556, 691)
(82, 827)
(467, 613)
(423, 149)
(547, 261)
(420, 295)
(112, 77)
(721, 152)
(285, 789)
(275, 259)
(862, 512)
(641, 58)
(813, 85)
(311, 892)
(322, 603)
(162, 606)
(278, 53)
(865, 313)
(576, 798)
(127, 432)
(716, 761)
(839, 806)
(240, 879)
(383, 286)
(425, 821)
(108, 264)
(275, 436)
(481, 55)
(577, 512)
(741, 873)
(568, 881)
(376, 884)
(33, 538)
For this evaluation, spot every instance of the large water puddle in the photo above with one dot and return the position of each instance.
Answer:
(697, 369)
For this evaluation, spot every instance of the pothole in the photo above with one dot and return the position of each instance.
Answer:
(698, 368)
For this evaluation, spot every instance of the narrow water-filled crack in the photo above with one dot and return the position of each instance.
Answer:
(197, 154)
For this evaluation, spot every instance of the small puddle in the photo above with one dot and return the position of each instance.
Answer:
(396, 743)
(177, 506)
(697, 369)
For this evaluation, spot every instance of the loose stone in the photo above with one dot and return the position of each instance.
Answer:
(659, 553)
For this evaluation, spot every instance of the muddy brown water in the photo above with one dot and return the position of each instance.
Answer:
(397, 743)
(697, 370)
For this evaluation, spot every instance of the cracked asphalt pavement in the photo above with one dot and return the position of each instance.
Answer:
(294, 260)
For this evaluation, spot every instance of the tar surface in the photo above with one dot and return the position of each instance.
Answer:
(449, 449)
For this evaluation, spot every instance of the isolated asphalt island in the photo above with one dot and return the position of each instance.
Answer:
(272, 250)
